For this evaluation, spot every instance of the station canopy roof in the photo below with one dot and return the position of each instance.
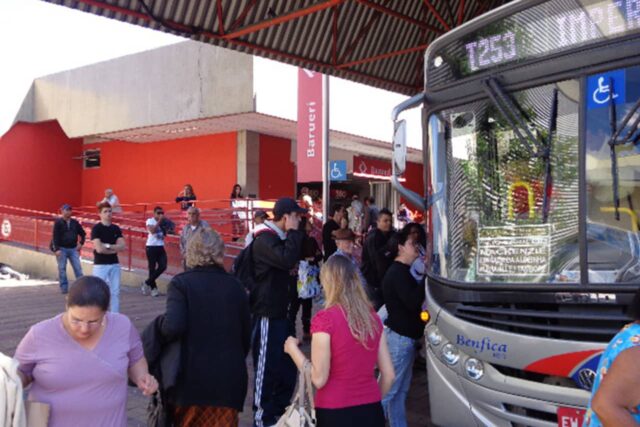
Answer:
(380, 43)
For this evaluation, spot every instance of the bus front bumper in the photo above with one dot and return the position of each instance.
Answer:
(495, 400)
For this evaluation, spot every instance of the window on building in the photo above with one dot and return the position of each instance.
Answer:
(91, 159)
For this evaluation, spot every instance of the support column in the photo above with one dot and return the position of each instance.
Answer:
(248, 175)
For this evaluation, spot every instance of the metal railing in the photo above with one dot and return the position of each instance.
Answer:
(34, 229)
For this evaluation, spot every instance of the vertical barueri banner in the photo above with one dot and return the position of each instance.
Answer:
(309, 145)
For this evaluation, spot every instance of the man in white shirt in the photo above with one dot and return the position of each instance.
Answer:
(259, 217)
(112, 199)
(156, 255)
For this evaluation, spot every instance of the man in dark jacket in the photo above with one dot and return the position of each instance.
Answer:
(376, 256)
(333, 223)
(277, 247)
(68, 238)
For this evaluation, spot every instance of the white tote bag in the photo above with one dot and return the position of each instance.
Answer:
(302, 411)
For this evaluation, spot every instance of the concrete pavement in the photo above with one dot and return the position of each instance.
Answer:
(23, 304)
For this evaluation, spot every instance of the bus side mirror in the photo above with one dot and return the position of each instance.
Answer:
(399, 147)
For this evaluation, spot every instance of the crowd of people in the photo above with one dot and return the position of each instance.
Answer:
(209, 310)
(191, 359)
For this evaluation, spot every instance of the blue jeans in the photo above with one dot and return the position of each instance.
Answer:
(403, 351)
(73, 256)
(110, 273)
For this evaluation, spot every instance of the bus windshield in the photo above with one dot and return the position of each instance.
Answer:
(506, 189)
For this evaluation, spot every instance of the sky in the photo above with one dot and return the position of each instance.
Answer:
(40, 38)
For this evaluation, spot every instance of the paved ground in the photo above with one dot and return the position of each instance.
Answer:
(25, 303)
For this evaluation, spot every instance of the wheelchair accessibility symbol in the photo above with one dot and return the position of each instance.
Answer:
(338, 170)
(602, 92)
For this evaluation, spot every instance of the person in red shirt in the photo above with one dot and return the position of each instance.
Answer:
(347, 344)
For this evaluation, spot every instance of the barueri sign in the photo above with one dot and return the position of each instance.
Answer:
(519, 250)
(309, 143)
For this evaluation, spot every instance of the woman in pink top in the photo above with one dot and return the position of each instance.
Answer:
(79, 361)
(347, 343)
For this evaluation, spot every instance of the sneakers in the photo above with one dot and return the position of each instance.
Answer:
(145, 289)
(155, 293)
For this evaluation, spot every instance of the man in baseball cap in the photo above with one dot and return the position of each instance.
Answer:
(287, 205)
(276, 249)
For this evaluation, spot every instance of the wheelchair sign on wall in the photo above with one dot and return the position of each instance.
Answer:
(338, 170)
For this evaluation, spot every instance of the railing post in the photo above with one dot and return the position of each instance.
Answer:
(246, 216)
(35, 237)
(130, 244)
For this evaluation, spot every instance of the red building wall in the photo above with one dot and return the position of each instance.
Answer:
(37, 167)
(157, 171)
(277, 171)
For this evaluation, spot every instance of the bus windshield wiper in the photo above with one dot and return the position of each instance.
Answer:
(615, 140)
(535, 147)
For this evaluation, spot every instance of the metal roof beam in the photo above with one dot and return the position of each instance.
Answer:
(208, 34)
(437, 15)
(334, 36)
(398, 15)
(383, 56)
(282, 19)
(243, 15)
(361, 34)
(220, 17)
(460, 13)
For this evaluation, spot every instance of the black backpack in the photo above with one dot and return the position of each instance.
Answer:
(243, 268)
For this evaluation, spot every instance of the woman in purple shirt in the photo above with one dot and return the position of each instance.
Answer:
(79, 361)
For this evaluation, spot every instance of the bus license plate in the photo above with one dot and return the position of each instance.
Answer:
(570, 417)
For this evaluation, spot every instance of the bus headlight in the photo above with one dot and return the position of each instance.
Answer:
(450, 354)
(474, 368)
(434, 337)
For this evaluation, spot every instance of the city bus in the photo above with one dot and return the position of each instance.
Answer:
(530, 119)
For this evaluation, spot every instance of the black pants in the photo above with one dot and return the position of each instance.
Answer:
(275, 372)
(294, 307)
(370, 415)
(157, 258)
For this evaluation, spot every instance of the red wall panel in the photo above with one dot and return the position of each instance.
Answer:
(157, 171)
(37, 167)
(277, 172)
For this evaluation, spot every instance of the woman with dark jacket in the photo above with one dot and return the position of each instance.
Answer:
(186, 197)
(208, 311)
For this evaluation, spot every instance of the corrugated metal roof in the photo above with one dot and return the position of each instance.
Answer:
(376, 42)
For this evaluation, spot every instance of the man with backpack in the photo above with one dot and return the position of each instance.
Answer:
(274, 252)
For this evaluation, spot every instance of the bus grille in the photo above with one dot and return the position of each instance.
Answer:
(530, 413)
(579, 322)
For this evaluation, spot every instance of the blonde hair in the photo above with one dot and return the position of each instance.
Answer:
(343, 287)
(205, 248)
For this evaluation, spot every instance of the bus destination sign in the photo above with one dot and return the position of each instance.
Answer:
(521, 250)
(548, 28)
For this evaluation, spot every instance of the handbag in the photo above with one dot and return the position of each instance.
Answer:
(302, 411)
(308, 285)
(37, 414)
